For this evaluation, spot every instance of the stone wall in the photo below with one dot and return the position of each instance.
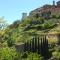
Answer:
(53, 38)
(53, 9)
(19, 47)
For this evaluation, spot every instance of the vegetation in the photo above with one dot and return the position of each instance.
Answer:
(8, 54)
(22, 31)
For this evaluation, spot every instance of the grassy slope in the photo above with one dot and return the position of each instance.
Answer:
(27, 29)
(53, 30)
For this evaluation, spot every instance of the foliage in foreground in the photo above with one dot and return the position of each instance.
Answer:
(15, 33)
(56, 53)
(11, 54)
(8, 54)
(31, 56)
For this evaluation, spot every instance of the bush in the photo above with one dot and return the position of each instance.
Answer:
(31, 56)
(56, 55)
(34, 56)
(10, 43)
(54, 16)
(58, 17)
(8, 54)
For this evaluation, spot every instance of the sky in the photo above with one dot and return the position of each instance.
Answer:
(12, 9)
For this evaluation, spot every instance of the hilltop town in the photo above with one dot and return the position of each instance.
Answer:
(34, 37)
(47, 10)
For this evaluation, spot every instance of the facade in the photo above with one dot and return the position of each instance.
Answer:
(51, 9)
(58, 3)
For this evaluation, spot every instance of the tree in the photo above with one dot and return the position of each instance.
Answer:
(15, 24)
(10, 43)
(3, 26)
(3, 23)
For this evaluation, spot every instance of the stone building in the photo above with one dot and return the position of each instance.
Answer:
(47, 10)
(24, 15)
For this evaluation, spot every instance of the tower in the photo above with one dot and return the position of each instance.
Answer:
(54, 3)
(24, 15)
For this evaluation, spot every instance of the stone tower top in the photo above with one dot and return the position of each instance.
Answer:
(24, 15)
(53, 2)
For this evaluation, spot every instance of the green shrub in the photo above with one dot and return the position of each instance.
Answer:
(56, 55)
(10, 43)
(8, 54)
(34, 56)
(58, 16)
(54, 16)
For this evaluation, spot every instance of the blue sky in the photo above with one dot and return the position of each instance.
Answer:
(13, 9)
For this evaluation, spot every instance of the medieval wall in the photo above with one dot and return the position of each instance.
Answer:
(53, 9)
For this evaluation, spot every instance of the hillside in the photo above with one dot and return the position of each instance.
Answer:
(34, 37)
(22, 31)
(29, 27)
